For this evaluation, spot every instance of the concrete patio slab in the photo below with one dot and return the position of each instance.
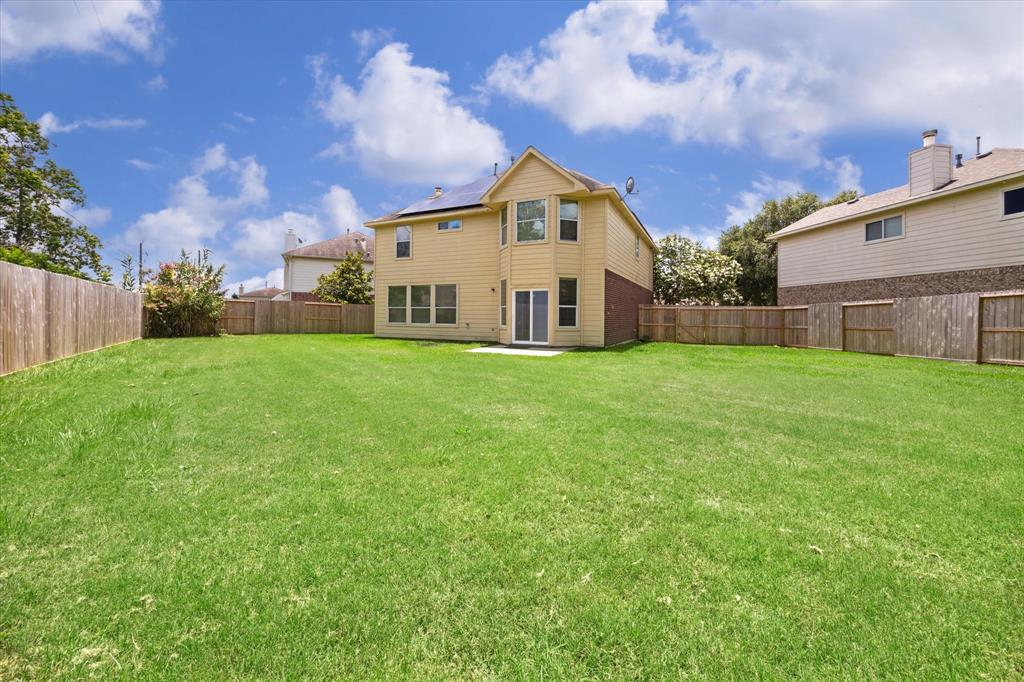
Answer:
(513, 350)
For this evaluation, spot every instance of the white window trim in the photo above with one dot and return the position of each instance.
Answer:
(397, 257)
(579, 222)
(903, 229)
(1002, 204)
(503, 307)
(449, 229)
(434, 306)
(559, 306)
(546, 221)
(503, 244)
(430, 322)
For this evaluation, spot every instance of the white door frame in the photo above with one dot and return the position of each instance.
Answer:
(547, 322)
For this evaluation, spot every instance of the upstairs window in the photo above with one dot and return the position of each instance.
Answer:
(890, 228)
(449, 226)
(504, 226)
(568, 220)
(531, 224)
(403, 242)
(1013, 201)
(420, 297)
(445, 304)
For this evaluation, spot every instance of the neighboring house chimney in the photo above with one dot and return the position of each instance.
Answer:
(931, 166)
(437, 192)
(241, 289)
(291, 240)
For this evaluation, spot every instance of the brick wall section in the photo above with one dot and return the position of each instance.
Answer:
(622, 299)
(931, 284)
(305, 296)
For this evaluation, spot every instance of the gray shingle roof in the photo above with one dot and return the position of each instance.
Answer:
(266, 292)
(996, 164)
(337, 248)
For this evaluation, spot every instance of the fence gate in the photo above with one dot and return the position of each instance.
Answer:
(1001, 329)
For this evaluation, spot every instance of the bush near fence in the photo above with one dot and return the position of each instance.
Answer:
(296, 317)
(986, 327)
(45, 316)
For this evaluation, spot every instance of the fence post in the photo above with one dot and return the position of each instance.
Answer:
(978, 351)
(842, 325)
(782, 328)
(743, 327)
(705, 326)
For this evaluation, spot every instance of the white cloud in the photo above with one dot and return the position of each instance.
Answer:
(336, 150)
(750, 201)
(194, 217)
(110, 27)
(369, 38)
(142, 165)
(274, 278)
(403, 123)
(244, 118)
(156, 84)
(93, 216)
(779, 75)
(342, 211)
(845, 172)
(49, 124)
(262, 240)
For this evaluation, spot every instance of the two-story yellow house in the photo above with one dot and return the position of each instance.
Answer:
(538, 255)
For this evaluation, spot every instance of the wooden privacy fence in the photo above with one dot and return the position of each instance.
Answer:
(296, 317)
(45, 316)
(969, 327)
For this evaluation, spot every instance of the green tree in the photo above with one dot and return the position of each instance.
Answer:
(687, 272)
(32, 188)
(349, 282)
(748, 244)
(185, 297)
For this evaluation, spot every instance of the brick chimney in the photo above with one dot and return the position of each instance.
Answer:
(931, 166)
(291, 240)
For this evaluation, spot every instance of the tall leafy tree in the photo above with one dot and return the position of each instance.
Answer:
(32, 187)
(748, 244)
(349, 282)
(685, 271)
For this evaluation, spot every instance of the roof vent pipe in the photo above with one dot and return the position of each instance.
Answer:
(437, 192)
(977, 140)
(959, 160)
(495, 169)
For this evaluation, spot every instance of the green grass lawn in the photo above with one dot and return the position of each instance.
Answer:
(286, 506)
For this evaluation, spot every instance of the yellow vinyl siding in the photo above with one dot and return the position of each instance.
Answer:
(622, 259)
(467, 258)
(592, 254)
(533, 179)
(960, 232)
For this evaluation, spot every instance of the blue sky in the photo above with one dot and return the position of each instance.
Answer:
(224, 124)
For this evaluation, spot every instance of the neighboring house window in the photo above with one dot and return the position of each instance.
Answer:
(449, 226)
(530, 220)
(636, 246)
(1013, 201)
(884, 229)
(445, 304)
(503, 303)
(568, 220)
(403, 242)
(504, 225)
(568, 299)
(396, 305)
(420, 297)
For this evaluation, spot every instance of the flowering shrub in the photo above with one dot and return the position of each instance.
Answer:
(185, 297)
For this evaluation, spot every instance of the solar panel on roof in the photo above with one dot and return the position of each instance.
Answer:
(457, 197)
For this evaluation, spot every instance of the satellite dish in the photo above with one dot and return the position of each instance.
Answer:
(630, 184)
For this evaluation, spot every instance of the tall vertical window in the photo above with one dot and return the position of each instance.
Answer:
(420, 298)
(403, 242)
(503, 302)
(396, 305)
(445, 304)
(504, 225)
(568, 220)
(568, 302)
(636, 246)
(531, 223)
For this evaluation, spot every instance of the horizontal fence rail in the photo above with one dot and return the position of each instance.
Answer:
(975, 327)
(296, 317)
(45, 316)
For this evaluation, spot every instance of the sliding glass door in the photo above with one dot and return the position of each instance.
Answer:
(530, 311)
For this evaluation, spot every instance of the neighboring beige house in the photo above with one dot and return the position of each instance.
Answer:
(303, 265)
(951, 229)
(538, 255)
